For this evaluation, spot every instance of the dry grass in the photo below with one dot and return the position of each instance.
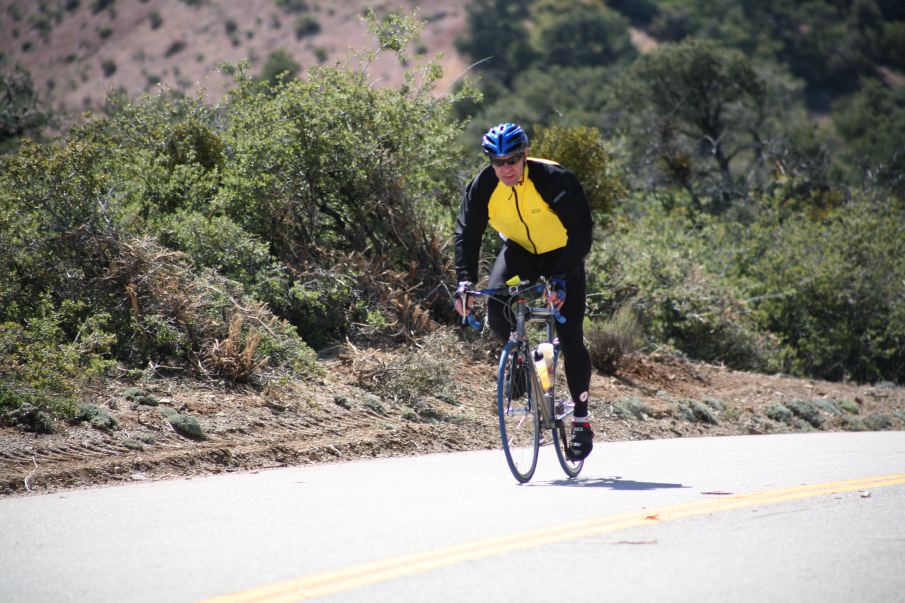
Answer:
(613, 343)
(234, 357)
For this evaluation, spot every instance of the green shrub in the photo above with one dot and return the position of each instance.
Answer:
(343, 401)
(306, 25)
(137, 396)
(714, 403)
(877, 422)
(416, 378)
(832, 289)
(185, 424)
(853, 424)
(22, 114)
(612, 343)
(631, 408)
(780, 413)
(99, 5)
(807, 411)
(828, 406)
(694, 411)
(775, 291)
(849, 406)
(583, 151)
(279, 66)
(293, 6)
(659, 260)
(218, 243)
(98, 417)
(24, 415)
(44, 367)
(197, 319)
(175, 47)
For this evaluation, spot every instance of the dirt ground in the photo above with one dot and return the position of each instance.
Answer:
(340, 417)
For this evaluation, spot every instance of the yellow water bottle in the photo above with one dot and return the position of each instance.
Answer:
(540, 364)
(546, 349)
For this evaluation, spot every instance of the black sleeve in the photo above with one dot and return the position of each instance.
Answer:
(471, 223)
(571, 205)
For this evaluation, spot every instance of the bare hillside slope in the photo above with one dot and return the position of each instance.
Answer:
(78, 52)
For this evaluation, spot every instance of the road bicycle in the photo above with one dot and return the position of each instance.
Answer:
(527, 403)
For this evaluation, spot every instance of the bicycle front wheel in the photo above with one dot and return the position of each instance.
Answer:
(519, 419)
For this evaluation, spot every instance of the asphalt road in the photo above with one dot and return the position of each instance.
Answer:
(806, 517)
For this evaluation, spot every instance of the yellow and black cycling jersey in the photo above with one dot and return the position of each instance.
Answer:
(545, 211)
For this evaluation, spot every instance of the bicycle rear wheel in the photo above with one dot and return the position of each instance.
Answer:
(562, 439)
(563, 410)
(519, 420)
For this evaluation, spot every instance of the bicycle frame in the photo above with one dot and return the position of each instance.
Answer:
(524, 315)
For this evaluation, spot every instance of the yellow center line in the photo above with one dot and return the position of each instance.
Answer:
(330, 582)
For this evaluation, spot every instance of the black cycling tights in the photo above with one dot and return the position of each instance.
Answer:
(512, 261)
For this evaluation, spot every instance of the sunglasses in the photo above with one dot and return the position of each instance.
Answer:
(508, 161)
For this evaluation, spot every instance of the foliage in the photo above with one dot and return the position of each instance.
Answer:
(873, 121)
(225, 241)
(279, 66)
(497, 36)
(658, 261)
(818, 296)
(830, 45)
(612, 343)
(577, 34)
(43, 366)
(416, 379)
(210, 240)
(97, 417)
(583, 151)
(700, 120)
(186, 425)
(696, 412)
(631, 408)
(55, 220)
(21, 113)
(832, 289)
(306, 25)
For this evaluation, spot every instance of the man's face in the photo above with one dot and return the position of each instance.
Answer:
(509, 169)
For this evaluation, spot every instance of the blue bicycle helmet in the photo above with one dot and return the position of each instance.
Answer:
(504, 139)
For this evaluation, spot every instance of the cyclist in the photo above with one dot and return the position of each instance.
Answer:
(540, 211)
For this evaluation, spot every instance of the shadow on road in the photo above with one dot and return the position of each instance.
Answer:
(613, 483)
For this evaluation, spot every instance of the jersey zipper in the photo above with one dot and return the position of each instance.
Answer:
(518, 210)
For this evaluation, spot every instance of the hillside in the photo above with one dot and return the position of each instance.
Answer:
(80, 52)
(153, 251)
(344, 417)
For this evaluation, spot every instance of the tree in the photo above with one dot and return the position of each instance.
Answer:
(576, 34)
(583, 151)
(279, 65)
(21, 113)
(497, 36)
(697, 115)
(873, 123)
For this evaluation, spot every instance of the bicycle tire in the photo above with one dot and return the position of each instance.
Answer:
(562, 441)
(562, 438)
(519, 419)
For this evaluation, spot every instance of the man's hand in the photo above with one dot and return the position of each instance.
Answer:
(464, 308)
(557, 295)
